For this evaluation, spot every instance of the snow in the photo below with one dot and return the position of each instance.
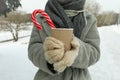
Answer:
(108, 67)
(15, 65)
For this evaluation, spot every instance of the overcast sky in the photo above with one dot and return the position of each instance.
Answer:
(31, 5)
(110, 5)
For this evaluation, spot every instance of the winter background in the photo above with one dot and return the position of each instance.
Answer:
(15, 65)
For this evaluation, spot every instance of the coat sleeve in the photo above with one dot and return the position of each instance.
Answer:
(89, 50)
(36, 52)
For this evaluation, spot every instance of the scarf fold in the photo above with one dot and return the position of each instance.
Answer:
(57, 13)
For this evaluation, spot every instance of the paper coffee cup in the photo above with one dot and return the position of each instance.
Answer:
(64, 35)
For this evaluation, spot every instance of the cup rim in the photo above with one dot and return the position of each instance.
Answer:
(63, 29)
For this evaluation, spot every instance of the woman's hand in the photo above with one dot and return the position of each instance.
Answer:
(54, 50)
(69, 57)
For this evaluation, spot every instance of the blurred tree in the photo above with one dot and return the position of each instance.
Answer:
(28, 17)
(13, 23)
(103, 18)
(107, 18)
(8, 5)
(93, 7)
(118, 20)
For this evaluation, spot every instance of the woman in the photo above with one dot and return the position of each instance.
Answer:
(47, 53)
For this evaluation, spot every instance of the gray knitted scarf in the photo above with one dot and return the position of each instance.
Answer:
(56, 11)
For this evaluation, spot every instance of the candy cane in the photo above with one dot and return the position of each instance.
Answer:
(45, 15)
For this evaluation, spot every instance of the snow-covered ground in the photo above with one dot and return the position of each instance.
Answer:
(108, 68)
(15, 65)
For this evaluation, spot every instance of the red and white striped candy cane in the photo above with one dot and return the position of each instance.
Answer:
(45, 15)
